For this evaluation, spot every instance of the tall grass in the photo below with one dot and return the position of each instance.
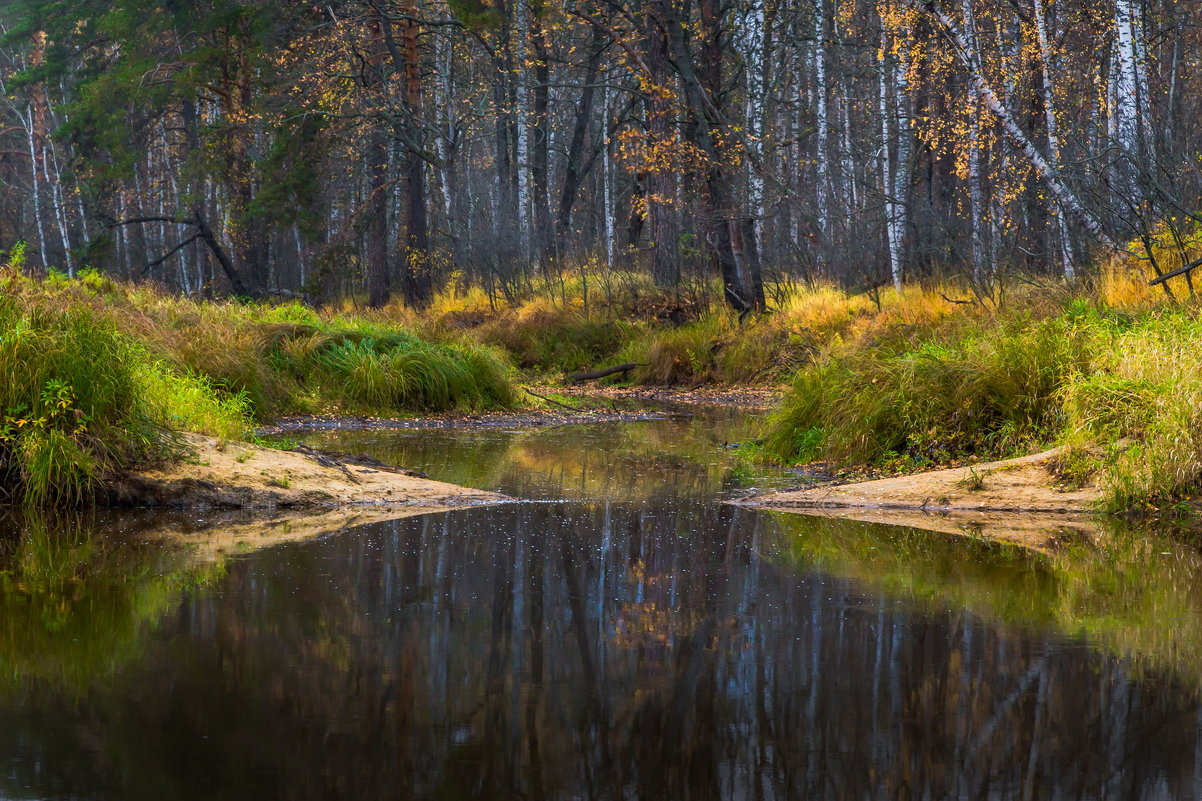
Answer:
(372, 368)
(95, 376)
(78, 399)
(979, 388)
(1122, 389)
(288, 358)
(1136, 420)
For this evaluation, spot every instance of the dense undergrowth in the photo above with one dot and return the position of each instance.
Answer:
(1119, 384)
(99, 375)
(682, 340)
(1110, 368)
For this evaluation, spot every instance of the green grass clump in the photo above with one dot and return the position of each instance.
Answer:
(976, 389)
(69, 403)
(96, 376)
(1139, 414)
(79, 399)
(547, 340)
(265, 361)
(373, 369)
(715, 349)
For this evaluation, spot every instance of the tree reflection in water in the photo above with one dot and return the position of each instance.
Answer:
(672, 649)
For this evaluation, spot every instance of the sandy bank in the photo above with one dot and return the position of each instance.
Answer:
(239, 475)
(1017, 500)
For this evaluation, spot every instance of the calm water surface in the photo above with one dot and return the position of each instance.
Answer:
(622, 635)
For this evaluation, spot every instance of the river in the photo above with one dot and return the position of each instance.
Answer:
(621, 633)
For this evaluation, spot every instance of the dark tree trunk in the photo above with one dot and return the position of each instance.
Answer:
(661, 177)
(379, 281)
(574, 168)
(416, 264)
(742, 281)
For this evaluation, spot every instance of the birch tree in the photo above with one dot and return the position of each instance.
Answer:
(1047, 64)
(971, 61)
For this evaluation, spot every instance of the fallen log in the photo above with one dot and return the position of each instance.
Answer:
(577, 378)
(1160, 279)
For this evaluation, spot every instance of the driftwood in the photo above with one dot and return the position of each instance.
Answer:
(576, 378)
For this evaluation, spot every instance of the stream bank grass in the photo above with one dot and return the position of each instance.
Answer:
(78, 399)
(1122, 389)
(288, 358)
(96, 376)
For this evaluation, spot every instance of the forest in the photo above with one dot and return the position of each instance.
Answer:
(386, 148)
(940, 231)
(538, 400)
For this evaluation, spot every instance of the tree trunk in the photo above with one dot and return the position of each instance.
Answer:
(539, 166)
(418, 282)
(660, 195)
(741, 278)
(1047, 60)
(975, 191)
(573, 164)
(379, 284)
(522, 34)
(822, 140)
(754, 47)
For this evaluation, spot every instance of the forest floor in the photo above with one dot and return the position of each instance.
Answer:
(219, 474)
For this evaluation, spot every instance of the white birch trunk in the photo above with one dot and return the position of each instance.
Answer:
(1129, 128)
(752, 45)
(1127, 80)
(522, 21)
(121, 245)
(443, 100)
(822, 125)
(892, 241)
(302, 276)
(1047, 60)
(896, 178)
(607, 198)
(905, 146)
(36, 187)
(975, 190)
(60, 207)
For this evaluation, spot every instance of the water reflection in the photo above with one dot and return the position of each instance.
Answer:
(601, 651)
(672, 458)
(654, 645)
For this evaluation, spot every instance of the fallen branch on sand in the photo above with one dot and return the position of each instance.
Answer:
(577, 378)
